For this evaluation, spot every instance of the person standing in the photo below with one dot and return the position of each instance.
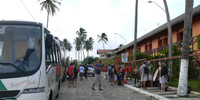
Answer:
(75, 73)
(127, 70)
(81, 68)
(85, 71)
(143, 75)
(130, 70)
(98, 69)
(106, 70)
(136, 74)
(71, 74)
(111, 75)
(151, 67)
(122, 75)
(162, 72)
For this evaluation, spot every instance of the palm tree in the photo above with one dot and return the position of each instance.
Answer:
(65, 43)
(69, 48)
(50, 6)
(103, 38)
(183, 77)
(82, 36)
(88, 46)
(135, 35)
(121, 45)
(77, 43)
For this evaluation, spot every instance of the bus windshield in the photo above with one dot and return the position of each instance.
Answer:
(20, 49)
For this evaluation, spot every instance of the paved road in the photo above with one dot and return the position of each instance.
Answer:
(83, 91)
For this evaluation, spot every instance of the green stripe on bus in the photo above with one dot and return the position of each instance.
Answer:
(2, 87)
(57, 78)
(9, 99)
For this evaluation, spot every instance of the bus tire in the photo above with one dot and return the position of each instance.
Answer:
(58, 90)
(57, 95)
(63, 79)
(50, 96)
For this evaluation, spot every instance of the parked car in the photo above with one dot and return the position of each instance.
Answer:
(91, 70)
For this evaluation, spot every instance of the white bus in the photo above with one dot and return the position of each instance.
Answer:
(30, 62)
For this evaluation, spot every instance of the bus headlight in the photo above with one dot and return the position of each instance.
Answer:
(34, 90)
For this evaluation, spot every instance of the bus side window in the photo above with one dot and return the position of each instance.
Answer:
(53, 53)
(59, 56)
(56, 53)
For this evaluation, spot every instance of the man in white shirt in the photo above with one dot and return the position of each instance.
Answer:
(81, 68)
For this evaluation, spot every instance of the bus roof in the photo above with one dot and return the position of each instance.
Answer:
(20, 23)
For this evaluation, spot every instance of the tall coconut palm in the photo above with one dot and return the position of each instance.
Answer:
(77, 43)
(88, 46)
(65, 43)
(183, 76)
(69, 48)
(121, 45)
(82, 36)
(103, 38)
(50, 6)
(135, 34)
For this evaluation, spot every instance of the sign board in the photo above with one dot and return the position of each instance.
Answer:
(124, 57)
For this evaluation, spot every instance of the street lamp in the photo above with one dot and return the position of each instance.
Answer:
(169, 35)
(156, 4)
(124, 39)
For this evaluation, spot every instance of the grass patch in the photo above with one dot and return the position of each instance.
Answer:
(193, 83)
(187, 96)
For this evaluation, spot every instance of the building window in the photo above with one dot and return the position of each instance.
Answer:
(150, 46)
(165, 42)
(146, 47)
(179, 36)
(159, 43)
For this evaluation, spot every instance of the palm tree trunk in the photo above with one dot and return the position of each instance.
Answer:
(78, 56)
(183, 76)
(170, 38)
(135, 35)
(47, 18)
(69, 55)
(87, 56)
(75, 54)
(83, 54)
(104, 48)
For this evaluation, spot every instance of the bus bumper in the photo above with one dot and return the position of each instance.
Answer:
(33, 96)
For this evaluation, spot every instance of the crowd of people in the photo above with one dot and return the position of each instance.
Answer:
(144, 75)
(73, 71)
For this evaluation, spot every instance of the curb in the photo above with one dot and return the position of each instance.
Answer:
(147, 93)
(193, 92)
(144, 92)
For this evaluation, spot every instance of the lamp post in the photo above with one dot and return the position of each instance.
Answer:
(169, 33)
(124, 39)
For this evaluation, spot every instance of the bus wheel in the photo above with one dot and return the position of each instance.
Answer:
(50, 96)
(58, 90)
(57, 95)
(63, 79)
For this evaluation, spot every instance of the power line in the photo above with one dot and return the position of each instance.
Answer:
(27, 9)
(109, 45)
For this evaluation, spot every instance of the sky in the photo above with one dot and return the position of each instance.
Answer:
(96, 17)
